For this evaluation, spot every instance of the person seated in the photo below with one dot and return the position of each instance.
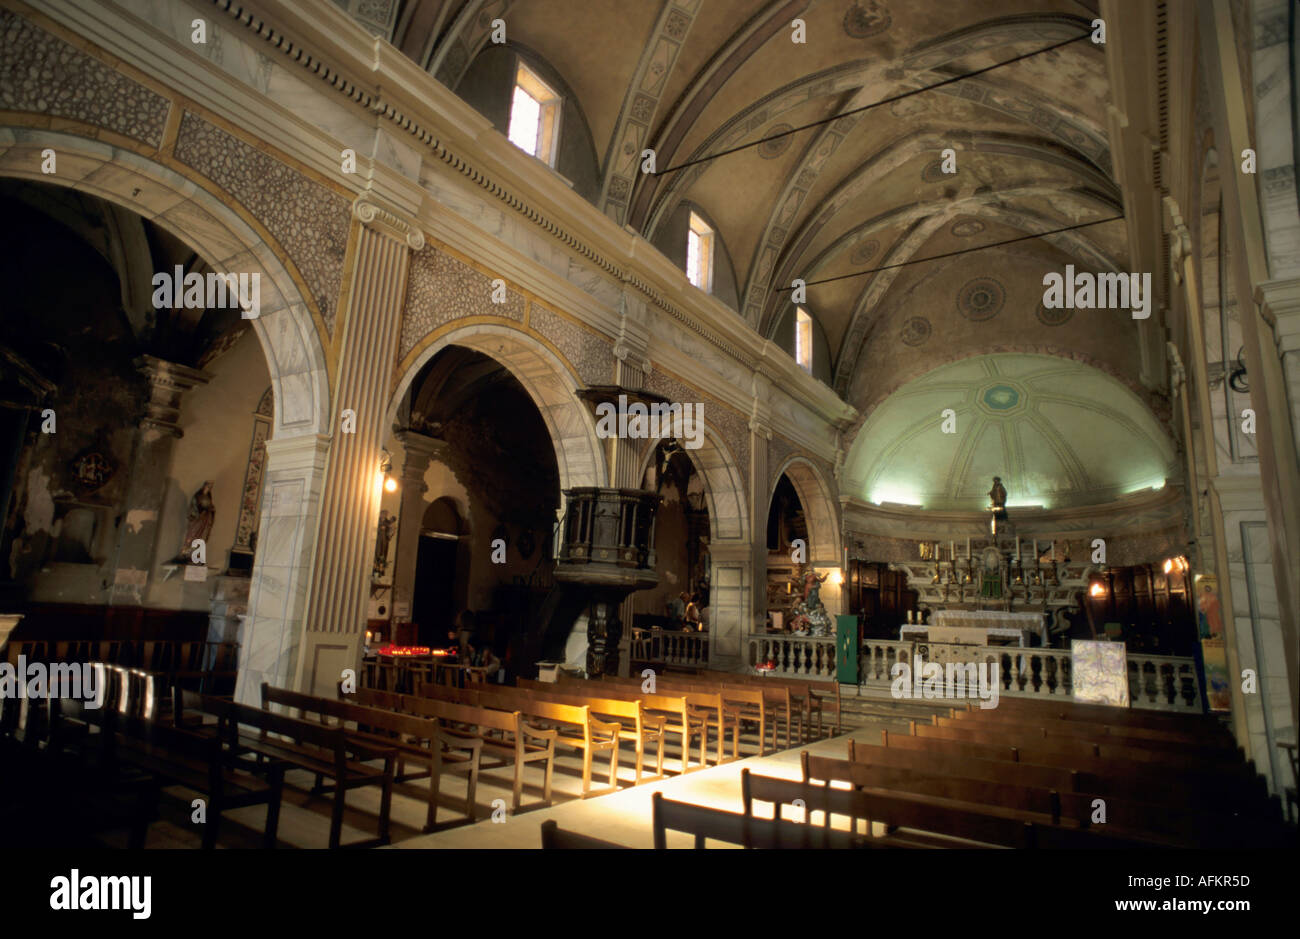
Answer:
(464, 633)
(484, 656)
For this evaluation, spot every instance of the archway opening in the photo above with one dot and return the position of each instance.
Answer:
(474, 502)
(682, 537)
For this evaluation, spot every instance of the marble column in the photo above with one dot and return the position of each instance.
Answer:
(151, 461)
(419, 450)
(349, 510)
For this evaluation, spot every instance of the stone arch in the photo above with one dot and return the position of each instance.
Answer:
(286, 330)
(724, 489)
(291, 341)
(819, 508)
(549, 381)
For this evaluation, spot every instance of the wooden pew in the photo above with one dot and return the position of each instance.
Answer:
(554, 838)
(991, 825)
(679, 717)
(737, 828)
(1074, 748)
(740, 701)
(1209, 736)
(1099, 733)
(417, 737)
(1234, 784)
(1159, 824)
(574, 724)
(326, 752)
(701, 699)
(628, 714)
(814, 697)
(504, 734)
(1108, 714)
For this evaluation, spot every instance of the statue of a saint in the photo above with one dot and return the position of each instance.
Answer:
(387, 522)
(998, 495)
(198, 523)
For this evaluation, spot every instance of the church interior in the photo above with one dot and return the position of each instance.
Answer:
(650, 423)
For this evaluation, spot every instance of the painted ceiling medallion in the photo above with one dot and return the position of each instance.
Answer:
(1053, 317)
(866, 18)
(1000, 397)
(965, 227)
(915, 331)
(92, 470)
(864, 252)
(771, 149)
(981, 299)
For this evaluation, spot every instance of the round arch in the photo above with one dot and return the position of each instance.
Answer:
(724, 491)
(295, 356)
(548, 380)
(818, 506)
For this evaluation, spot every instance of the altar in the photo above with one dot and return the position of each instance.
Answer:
(977, 628)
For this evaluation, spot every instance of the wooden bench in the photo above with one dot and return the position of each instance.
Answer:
(1100, 733)
(679, 716)
(1232, 784)
(1210, 736)
(813, 697)
(326, 752)
(574, 725)
(949, 817)
(1109, 714)
(737, 828)
(411, 736)
(503, 734)
(701, 699)
(1079, 752)
(1153, 823)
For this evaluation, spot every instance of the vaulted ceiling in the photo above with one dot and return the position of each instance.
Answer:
(693, 78)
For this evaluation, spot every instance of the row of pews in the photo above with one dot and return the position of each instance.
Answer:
(1024, 775)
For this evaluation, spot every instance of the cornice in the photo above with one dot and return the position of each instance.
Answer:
(1133, 510)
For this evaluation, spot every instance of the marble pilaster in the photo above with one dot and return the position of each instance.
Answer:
(353, 486)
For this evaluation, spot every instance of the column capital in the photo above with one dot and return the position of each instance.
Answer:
(386, 220)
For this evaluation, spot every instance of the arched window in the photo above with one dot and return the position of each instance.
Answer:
(803, 339)
(699, 254)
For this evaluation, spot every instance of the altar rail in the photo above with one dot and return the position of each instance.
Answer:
(1156, 682)
(670, 647)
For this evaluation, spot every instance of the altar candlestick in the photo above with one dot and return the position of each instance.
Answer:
(1035, 550)
(1017, 549)
(952, 555)
(968, 547)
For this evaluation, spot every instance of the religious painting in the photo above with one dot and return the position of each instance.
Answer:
(1100, 672)
(1215, 656)
(1209, 619)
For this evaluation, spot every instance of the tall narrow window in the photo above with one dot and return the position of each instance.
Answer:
(534, 116)
(803, 340)
(699, 254)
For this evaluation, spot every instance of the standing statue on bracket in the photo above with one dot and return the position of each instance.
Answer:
(387, 522)
(198, 524)
(809, 617)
